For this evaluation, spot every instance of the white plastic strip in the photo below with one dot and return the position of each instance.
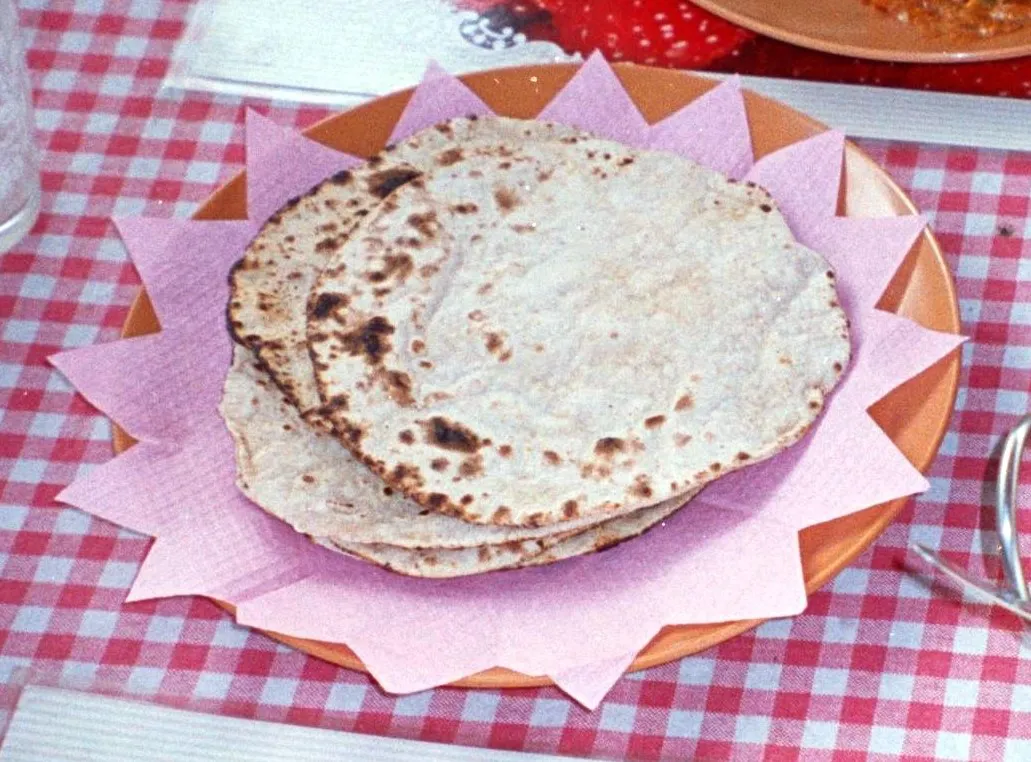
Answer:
(58, 725)
(914, 115)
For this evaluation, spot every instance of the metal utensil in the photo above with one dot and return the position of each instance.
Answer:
(1015, 597)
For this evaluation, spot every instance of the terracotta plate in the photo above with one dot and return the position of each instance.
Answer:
(851, 28)
(915, 415)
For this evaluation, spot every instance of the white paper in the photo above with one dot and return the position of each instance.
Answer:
(337, 51)
(58, 725)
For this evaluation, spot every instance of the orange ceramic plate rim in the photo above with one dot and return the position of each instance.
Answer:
(522, 92)
(880, 38)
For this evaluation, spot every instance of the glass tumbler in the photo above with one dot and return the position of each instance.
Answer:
(19, 159)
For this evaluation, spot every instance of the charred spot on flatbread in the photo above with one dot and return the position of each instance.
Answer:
(449, 157)
(394, 266)
(609, 447)
(449, 435)
(382, 184)
(425, 223)
(369, 340)
(471, 467)
(506, 199)
(326, 303)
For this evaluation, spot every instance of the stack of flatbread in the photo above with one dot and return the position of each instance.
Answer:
(503, 343)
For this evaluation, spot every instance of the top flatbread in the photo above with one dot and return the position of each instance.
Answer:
(574, 329)
(271, 283)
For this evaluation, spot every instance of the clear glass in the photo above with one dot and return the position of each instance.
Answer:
(19, 158)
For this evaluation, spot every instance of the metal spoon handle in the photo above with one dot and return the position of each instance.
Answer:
(1006, 508)
(977, 587)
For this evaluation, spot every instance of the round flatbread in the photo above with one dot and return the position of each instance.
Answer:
(568, 329)
(271, 283)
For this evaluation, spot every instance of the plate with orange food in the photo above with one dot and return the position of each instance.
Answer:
(916, 31)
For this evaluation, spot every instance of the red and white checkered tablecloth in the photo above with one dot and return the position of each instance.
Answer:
(881, 666)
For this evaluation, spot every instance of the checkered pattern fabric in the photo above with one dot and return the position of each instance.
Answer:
(883, 664)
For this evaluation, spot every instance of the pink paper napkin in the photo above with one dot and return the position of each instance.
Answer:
(733, 554)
